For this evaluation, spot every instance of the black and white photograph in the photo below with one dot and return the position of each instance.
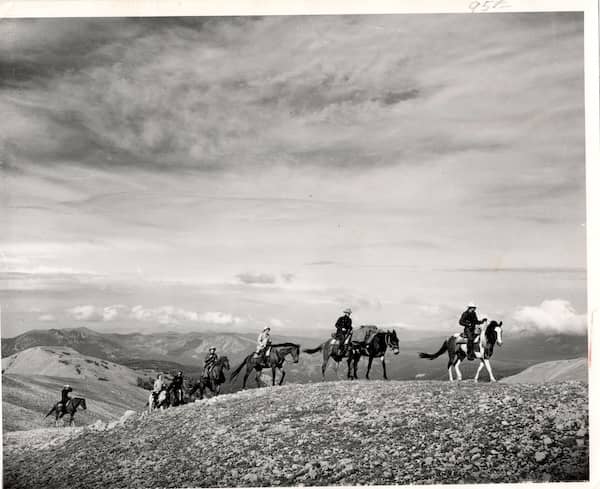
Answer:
(296, 249)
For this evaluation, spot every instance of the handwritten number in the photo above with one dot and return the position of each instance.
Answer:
(487, 5)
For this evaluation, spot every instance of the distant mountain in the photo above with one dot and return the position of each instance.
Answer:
(172, 351)
(556, 371)
(182, 348)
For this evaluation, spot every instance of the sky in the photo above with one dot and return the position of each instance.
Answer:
(224, 173)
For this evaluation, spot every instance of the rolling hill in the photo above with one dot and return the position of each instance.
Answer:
(331, 433)
(32, 381)
(556, 371)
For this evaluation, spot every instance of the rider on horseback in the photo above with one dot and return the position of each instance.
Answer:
(159, 385)
(209, 362)
(263, 343)
(343, 327)
(469, 320)
(65, 398)
(177, 386)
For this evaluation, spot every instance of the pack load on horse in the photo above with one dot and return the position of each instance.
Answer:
(66, 405)
(267, 355)
(338, 347)
(483, 350)
(212, 378)
(470, 321)
(176, 390)
(370, 342)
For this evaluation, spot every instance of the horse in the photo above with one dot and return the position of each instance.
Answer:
(162, 401)
(215, 378)
(457, 350)
(70, 408)
(330, 349)
(377, 348)
(274, 360)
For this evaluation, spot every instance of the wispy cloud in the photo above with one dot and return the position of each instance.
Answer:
(256, 278)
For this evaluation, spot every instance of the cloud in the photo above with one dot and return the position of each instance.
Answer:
(46, 317)
(220, 318)
(85, 313)
(287, 277)
(176, 315)
(551, 316)
(256, 278)
(110, 313)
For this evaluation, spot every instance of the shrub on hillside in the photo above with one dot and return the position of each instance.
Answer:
(145, 383)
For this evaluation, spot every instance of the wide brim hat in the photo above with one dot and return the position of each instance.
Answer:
(348, 311)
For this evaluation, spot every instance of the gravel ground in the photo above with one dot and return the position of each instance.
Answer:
(332, 433)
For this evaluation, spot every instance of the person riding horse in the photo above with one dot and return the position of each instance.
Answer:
(65, 398)
(209, 362)
(159, 384)
(263, 343)
(343, 330)
(176, 386)
(469, 321)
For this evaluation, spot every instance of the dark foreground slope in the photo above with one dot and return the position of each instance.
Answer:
(329, 433)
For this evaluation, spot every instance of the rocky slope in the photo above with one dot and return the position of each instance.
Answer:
(557, 371)
(332, 433)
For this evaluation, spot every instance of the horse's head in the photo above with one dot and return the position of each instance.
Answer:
(81, 403)
(391, 339)
(295, 352)
(224, 362)
(493, 333)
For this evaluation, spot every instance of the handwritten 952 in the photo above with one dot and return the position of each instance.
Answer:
(488, 5)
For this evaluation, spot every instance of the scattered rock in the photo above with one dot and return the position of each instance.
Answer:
(540, 456)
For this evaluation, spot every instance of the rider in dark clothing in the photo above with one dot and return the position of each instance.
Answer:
(209, 362)
(469, 320)
(343, 327)
(64, 397)
(177, 386)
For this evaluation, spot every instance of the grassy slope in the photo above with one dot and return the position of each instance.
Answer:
(557, 371)
(27, 399)
(330, 433)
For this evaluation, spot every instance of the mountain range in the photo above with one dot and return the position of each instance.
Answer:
(171, 351)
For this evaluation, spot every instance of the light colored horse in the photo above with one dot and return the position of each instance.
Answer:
(483, 349)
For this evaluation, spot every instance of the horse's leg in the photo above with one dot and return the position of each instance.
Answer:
(350, 367)
(273, 371)
(383, 365)
(457, 368)
(282, 376)
(246, 375)
(369, 366)
(478, 370)
(489, 369)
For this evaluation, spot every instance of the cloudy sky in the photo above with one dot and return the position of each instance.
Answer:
(224, 173)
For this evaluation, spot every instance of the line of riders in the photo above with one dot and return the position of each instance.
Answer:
(342, 338)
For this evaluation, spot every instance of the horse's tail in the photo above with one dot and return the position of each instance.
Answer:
(51, 411)
(310, 351)
(429, 356)
(238, 369)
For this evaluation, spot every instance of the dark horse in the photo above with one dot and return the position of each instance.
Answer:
(331, 349)
(215, 378)
(456, 346)
(379, 344)
(70, 409)
(274, 361)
